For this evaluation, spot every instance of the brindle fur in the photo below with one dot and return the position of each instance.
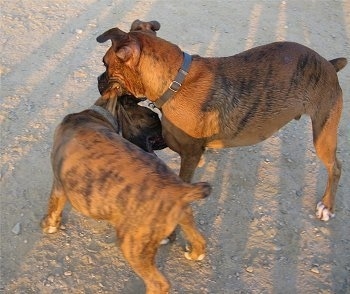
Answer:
(106, 177)
(233, 101)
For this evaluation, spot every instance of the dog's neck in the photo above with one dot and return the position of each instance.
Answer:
(106, 115)
(176, 84)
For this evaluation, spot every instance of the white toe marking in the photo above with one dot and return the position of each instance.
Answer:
(199, 258)
(51, 230)
(322, 212)
(187, 255)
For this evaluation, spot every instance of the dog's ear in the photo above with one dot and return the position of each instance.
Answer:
(125, 47)
(150, 26)
(112, 34)
(155, 25)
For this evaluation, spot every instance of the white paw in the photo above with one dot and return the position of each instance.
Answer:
(199, 258)
(51, 230)
(322, 212)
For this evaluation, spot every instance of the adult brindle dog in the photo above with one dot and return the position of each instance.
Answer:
(232, 101)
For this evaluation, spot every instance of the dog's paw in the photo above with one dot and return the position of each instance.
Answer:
(322, 212)
(48, 226)
(189, 254)
(50, 230)
(199, 258)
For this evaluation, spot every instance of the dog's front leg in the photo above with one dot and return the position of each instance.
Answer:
(189, 162)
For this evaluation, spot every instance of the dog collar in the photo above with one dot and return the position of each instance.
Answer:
(177, 83)
(107, 115)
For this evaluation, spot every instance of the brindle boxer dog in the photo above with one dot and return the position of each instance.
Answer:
(108, 178)
(232, 101)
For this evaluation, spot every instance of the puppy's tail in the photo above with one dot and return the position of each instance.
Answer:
(197, 191)
(338, 63)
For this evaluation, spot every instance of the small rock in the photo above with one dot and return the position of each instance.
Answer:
(249, 269)
(16, 229)
(277, 248)
(67, 273)
(315, 270)
(50, 279)
(79, 31)
(299, 193)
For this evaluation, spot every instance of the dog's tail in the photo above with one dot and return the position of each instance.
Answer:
(196, 191)
(338, 63)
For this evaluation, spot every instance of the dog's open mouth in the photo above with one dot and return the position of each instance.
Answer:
(156, 142)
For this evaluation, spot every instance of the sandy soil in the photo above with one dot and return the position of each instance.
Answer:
(259, 222)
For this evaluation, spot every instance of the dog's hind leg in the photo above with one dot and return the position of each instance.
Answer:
(140, 253)
(325, 127)
(196, 246)
(52, 220)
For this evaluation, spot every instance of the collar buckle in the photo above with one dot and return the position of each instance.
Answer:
(176, 83)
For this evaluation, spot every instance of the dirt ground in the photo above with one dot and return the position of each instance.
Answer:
(259, 221)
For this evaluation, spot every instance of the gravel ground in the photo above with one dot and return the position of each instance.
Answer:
(259, 221)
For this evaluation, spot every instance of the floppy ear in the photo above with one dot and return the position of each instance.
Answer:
(112, 34)
(124, 47)
(151, 26)
(155, 25)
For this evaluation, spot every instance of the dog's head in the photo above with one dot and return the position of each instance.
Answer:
(140, 125)
(109, 87)
(136, 61)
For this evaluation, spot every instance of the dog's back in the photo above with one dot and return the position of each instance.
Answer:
(93, 163)
(108, 178)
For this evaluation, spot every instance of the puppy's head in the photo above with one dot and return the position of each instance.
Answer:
(140, 125)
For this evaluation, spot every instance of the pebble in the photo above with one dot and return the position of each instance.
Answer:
(315, 270)
(277, 248)
(67, 273)
(16, 229)
(249, 269)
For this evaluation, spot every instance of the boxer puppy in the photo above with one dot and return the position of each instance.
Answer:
(108, 178)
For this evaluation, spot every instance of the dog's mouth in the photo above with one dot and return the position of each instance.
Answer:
(156, 143)
(106, 85)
